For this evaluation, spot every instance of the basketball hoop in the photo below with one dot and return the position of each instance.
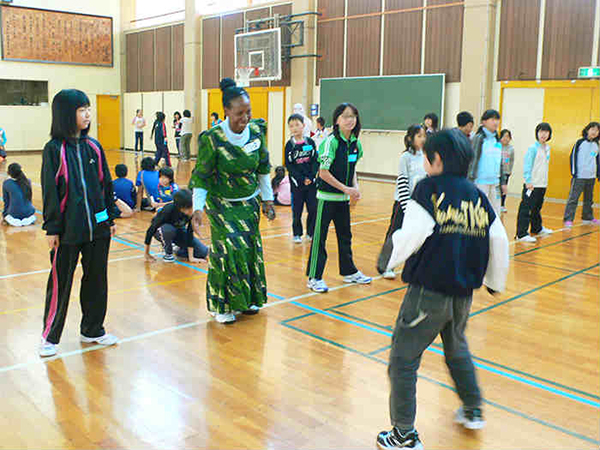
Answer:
(242, 75)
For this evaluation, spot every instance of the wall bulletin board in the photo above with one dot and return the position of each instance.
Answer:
(39, 35)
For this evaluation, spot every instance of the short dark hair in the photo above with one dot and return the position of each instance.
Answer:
(505, 131)
(434, 120)
(490, 114)
(589, 126)
(183, 199)
(187, 113)
(544, 126)
(321, 121)
(464, 118)
(64, 113)
(160, 116)
(148, 163)
(339, 110)
(231, 91)
(296, 117)
(167, 172)
(454, 149)
(215, 115)
(121, 170)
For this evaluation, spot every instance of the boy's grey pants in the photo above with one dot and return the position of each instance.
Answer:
(425, 314)
(579, 185)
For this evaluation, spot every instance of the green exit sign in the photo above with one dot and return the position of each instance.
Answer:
(589, 72)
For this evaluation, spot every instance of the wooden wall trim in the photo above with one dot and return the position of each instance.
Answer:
(396, 11)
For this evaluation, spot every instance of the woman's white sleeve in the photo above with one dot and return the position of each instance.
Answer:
(266, 190)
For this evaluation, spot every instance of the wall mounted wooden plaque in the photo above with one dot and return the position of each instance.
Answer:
(38, 35)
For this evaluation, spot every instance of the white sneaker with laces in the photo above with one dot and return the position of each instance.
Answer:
(358, 278)
(527, 238)
(225, 318)
(107, 339)
(47, 348)
(297, 239)
(389, 275)
(317, 285)
(545, 231)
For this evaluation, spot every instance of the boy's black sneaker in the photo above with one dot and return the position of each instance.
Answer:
(169, 258)
(395, 439)
(470, 418)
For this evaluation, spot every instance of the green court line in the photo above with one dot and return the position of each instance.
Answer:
(553, 243)
(446, 386)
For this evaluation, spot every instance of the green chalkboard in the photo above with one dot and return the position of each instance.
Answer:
(388, 102)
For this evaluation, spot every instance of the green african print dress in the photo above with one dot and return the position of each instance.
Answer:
(236, 272)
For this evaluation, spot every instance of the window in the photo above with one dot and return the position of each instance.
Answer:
(150, 13)
(23, 92)
(209, 7)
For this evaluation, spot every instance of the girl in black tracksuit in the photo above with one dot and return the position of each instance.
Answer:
(159, 131)
(78, 218)
(336, 186)
(301, 161)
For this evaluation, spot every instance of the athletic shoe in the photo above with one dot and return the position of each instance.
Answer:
(527, 238)
(389, 275)
(226, 318)
(503, 209)
(569, 224)
(106, 339)
(591, 222)
(472, 419)
(252, 310)
(395, 439)
(358, 278)
(308, 238)
(317, 285)
(545, 231)
(297, 239)
(169, 258)
(47, 348)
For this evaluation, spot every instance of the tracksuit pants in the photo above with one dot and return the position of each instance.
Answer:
(530, 211)
(92, 296)
(308, 196)
(339, 212)
(162, 151)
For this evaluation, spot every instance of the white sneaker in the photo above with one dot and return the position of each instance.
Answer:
(308, 238)
(358, 278)
(527, 238)
(545, 231)
(47, 348)
(297, 239)
(503, 209)
(225, 318)
(389, 275)
(471, 420)
(107, 339)
(317, 285)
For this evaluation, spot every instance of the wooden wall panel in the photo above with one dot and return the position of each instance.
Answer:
(286, 66)
(330, 45)
(230, 23)
(255, 14)
(519, 27)
(568, 37)
(163, 59)
(147, 61)
(363, 7)
(331, 8)
(178, 58)
(403, 38)
(363, 47)
(443, 43)
(133, 60)
(211, 60)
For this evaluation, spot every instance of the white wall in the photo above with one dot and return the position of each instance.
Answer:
(28, 127)
(275, 129)
(522, 110)
(172, 101)
(132, 101)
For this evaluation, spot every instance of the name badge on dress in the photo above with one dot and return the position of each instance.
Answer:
(353, 158)
(101, 216)
(251, 147)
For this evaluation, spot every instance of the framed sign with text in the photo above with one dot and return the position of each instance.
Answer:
(39, 35)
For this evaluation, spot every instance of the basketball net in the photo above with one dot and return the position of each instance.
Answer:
(242, 75)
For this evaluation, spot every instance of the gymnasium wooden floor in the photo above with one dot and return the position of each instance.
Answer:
(310, 370)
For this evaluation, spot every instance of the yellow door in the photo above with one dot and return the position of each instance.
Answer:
(109, 121)
(568, 111)
(259, 99)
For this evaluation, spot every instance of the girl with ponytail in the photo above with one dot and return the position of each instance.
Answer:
(16, 192)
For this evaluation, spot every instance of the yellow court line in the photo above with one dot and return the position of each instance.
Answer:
(120, 291)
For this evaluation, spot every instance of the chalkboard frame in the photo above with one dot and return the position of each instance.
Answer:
(381, 130)
(44, 61)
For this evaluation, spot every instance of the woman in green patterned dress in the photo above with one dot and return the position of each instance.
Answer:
(231, 172)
